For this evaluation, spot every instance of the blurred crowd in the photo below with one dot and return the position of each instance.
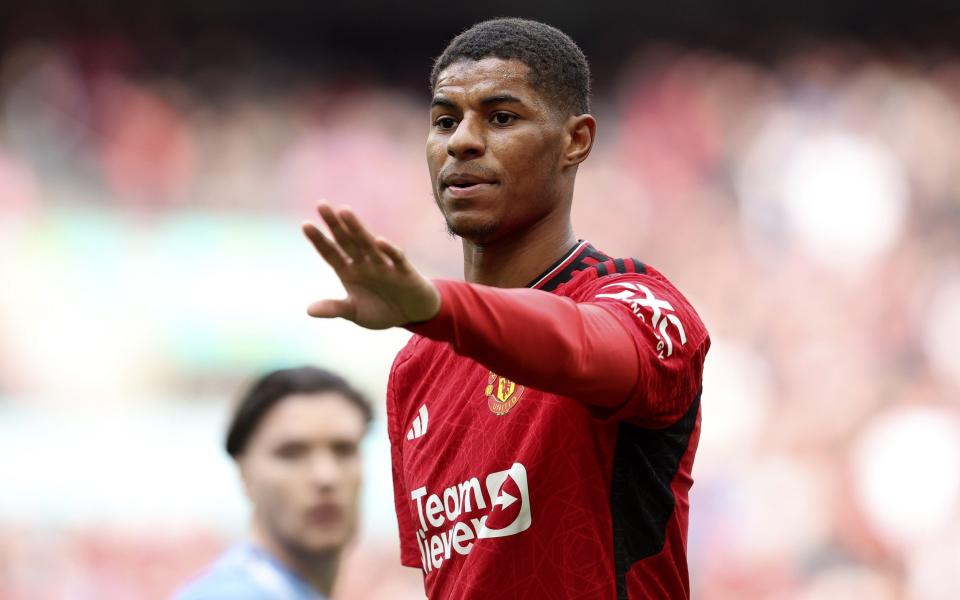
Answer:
(808, 205)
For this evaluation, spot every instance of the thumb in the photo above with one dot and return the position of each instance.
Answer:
(330, 309)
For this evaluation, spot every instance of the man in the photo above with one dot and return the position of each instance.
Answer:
(295, 437)
(544, 418)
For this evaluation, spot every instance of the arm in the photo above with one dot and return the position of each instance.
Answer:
(589, 356)
(538, 339)
(607, 352)
(633, 350)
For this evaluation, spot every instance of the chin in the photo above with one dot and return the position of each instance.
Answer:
(469, 224)
(473, 230)
(322, 544)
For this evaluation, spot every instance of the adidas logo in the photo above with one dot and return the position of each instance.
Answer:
(419, 428)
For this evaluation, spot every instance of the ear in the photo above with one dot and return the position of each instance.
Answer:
(579, 133)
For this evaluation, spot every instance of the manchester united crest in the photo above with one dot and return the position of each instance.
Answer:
(502, 394)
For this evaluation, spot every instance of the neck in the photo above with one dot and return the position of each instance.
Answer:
(318, 570)
(514, 260)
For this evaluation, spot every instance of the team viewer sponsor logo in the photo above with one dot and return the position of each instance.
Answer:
(638, 296)
(452, 519)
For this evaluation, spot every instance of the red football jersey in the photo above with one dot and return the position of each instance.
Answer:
(515, 476)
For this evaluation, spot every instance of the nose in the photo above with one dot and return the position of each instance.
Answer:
(467, 141)
(324, 470)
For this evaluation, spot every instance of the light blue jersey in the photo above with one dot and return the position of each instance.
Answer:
(245, 572)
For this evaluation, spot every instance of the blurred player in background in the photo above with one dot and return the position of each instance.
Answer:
(295, 437)
(544, 418)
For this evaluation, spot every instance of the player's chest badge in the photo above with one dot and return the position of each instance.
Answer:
(502, 394)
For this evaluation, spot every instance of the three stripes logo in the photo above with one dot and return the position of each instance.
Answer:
(420, 422)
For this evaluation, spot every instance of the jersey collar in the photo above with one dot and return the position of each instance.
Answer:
(582, 256)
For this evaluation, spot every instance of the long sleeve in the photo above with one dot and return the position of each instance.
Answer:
(602, 351)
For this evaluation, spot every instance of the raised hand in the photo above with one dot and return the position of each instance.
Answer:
(383, 288)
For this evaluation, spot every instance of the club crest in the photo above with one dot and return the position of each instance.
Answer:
(502, 394)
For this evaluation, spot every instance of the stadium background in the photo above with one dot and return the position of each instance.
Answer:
(794, 168)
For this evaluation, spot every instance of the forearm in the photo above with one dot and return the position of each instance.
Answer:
(537, 339)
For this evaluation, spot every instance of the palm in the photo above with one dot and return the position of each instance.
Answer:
(383, 289)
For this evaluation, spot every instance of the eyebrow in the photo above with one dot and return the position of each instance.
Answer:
(442, 101)
(501, 99)
(489, 100)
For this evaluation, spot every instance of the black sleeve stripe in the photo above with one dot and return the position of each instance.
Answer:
(596, 254)
(619, 266)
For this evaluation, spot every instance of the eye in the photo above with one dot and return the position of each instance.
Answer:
(445, 123)
(345, 449)
(292, 451)
(502, 118)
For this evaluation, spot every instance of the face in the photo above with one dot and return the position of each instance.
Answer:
(302, 471)
(495, 150)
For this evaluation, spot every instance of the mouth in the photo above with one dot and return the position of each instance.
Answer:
(324, 514)
(464, 185)
(464, 181)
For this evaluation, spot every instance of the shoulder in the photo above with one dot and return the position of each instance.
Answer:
(619, 272)
(645, 291)
(221, 580)
(614, 274)
(246, 573)
(602, 269)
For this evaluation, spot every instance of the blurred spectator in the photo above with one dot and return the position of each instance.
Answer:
(295, 437)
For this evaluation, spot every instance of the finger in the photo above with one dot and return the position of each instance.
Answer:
(364, 240)
(343, 237)
(327, 249)
(331, 309)
(394, 254)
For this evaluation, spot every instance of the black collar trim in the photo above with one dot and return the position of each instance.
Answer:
(581, 256)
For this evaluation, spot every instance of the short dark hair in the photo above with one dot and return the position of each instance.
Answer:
(273, 387)
(558, 67)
